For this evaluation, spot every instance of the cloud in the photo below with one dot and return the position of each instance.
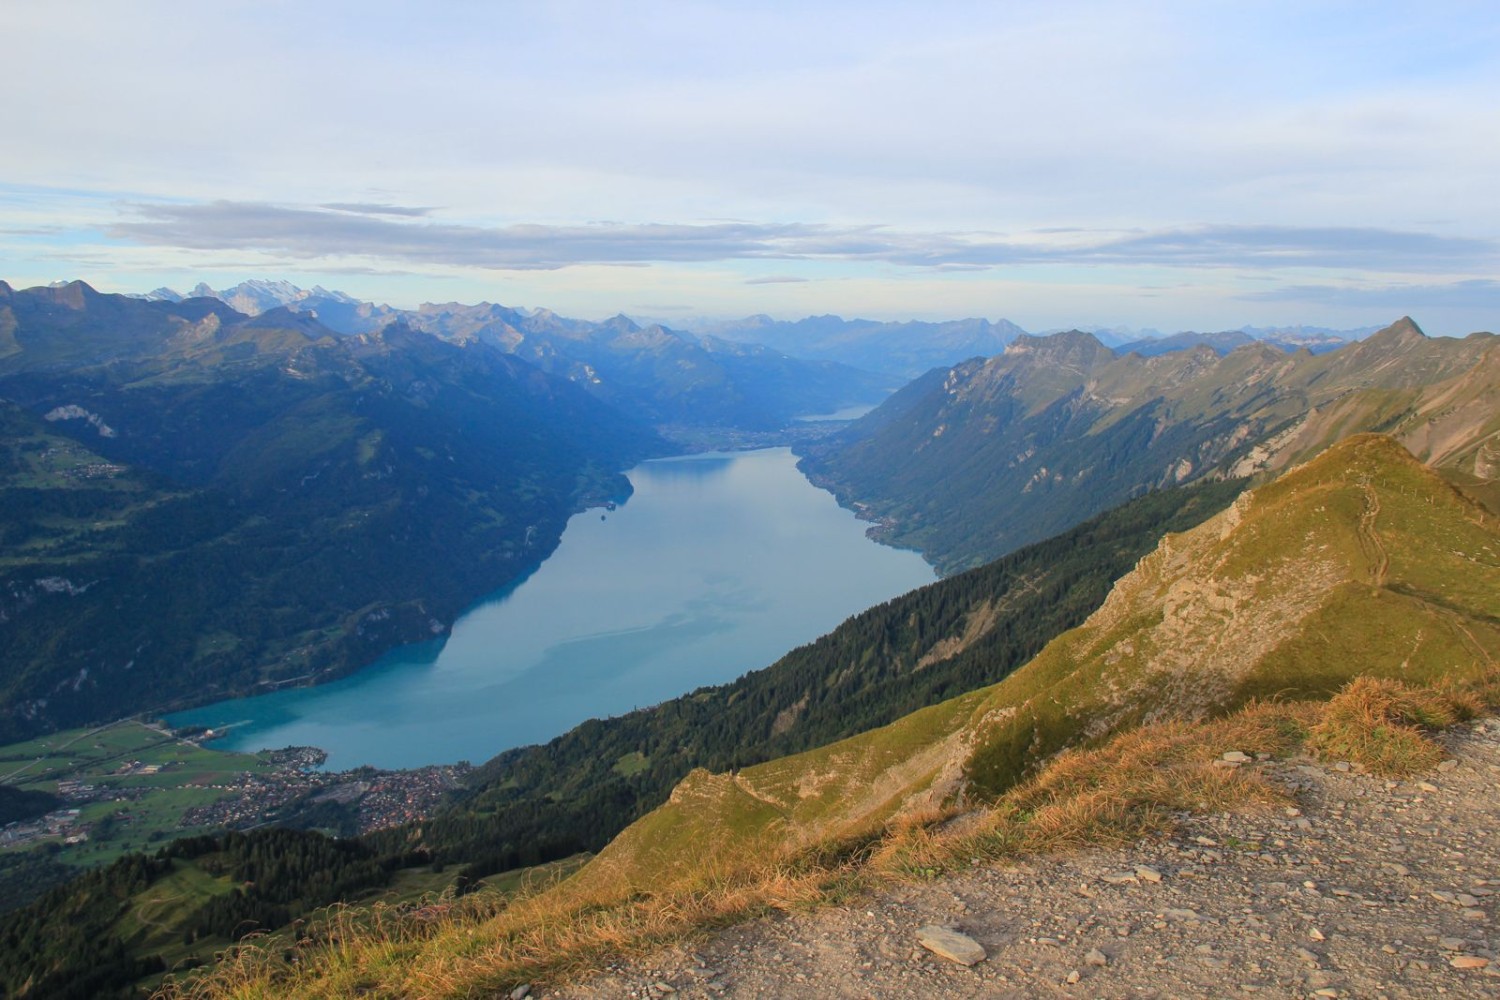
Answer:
(776, 279)
(368, 208)
(301, 234)
(1475, 293)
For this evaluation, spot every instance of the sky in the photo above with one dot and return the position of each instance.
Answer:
(1197, 165)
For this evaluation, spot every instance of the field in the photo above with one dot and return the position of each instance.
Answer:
(131, 783)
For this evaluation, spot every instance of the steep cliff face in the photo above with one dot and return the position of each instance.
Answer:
(1361, 562)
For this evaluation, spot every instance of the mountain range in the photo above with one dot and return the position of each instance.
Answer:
(199, 502)
(969, 462)
(904, 349)
(158, 446)
(668, 377)
(196, 503)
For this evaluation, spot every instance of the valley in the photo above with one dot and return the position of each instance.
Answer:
(715, 565)
(366, 482)
(749, 500)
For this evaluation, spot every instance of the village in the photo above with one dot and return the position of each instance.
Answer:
(379, 799)
(133, 785)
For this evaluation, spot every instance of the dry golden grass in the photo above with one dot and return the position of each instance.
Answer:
(1378, 723)
(1130, 786)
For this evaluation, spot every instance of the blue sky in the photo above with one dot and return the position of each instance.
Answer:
(1178, 165)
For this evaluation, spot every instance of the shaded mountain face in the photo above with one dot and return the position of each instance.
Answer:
(196, 503)
(972, 461)
(1360, 563)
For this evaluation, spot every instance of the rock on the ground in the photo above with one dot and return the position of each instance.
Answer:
(951, 944)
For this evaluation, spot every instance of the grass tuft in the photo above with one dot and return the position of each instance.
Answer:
(1379, 724)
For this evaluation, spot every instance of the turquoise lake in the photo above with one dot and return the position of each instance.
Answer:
(718, 564)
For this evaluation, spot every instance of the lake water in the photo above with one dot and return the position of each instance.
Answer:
(718, 564)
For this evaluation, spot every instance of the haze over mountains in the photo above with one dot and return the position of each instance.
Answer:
(904, 348)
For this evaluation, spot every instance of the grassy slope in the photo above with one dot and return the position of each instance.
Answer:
(1361, 566)
(1362, 562)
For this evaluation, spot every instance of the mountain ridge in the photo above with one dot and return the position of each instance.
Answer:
(1043, 434)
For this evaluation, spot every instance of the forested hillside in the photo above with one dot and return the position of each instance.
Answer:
(537, 804)
(195, 504)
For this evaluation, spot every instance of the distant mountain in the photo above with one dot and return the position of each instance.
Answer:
(197, 503)
(1148, 343)
(257, 296)
(665, 376)
(904, 348)
(972, 461)
(1222, 342)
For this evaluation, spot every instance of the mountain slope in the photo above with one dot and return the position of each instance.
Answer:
(949, 637)
(1360, 563)
(197, 503)
(1360, 571)
(969, 463)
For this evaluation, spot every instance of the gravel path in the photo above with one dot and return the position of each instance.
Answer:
(1366, 888)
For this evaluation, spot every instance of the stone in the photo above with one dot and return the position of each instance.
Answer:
(1074, 976)
(521, 992)
(1096, 957)
(1468, 962)
(1236, 757)
(1447, 765)
(1147, 874)
(1118, 878)
(951, 944)
(1316, 934)
(1451, 943)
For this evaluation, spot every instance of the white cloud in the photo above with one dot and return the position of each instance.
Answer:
(1186, 136)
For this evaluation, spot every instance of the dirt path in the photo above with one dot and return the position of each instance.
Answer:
(1367, 888)
(1368, 533)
